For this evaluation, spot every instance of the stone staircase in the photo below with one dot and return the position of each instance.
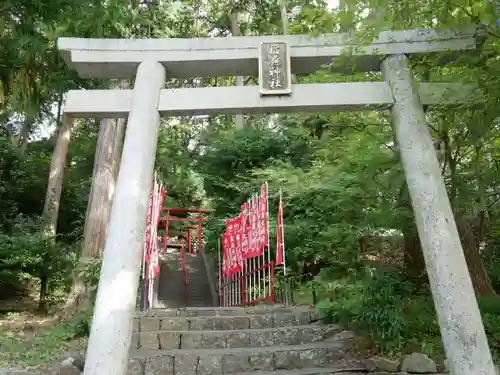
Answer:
(256, 340)
(171, 282)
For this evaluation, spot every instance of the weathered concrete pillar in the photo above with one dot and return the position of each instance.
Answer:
(460, 322)
(109, 342)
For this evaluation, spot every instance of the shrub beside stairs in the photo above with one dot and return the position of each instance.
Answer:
(253, 340)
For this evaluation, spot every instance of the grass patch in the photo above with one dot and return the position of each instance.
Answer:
(302, 295)
(42, 345)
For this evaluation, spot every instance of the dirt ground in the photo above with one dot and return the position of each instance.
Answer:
(32, 342)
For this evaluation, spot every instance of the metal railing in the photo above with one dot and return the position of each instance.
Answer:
(184, 272)
(271, 286)
(286, 288)
(248, 287)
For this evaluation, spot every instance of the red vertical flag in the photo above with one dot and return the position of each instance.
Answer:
(226, 254)
(254, 248)
(280, 256)
(237, 243)
(263, 226)
(244, 215)
(233, 244)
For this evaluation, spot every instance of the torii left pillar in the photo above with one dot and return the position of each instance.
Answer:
(110, 336)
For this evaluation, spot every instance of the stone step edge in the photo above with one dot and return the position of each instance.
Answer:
(312, 370)
(150, 353)
(325, 371)
(221, 323)
(182, 312)
(269, 314)
(272, 314)
(325, 327)
(260, 307)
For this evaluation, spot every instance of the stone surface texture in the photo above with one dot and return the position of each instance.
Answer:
(338, 97)
(418, 363)
(248, 341)
(211, 341)
(170, 282)
(382, 364)
(457, 311)
(230, 56)
(254, 340)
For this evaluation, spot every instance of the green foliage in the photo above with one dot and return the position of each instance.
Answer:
(374, 305)
(231, 155)
(385, 324)
(383, 307)
(26, 253)
(44, 345)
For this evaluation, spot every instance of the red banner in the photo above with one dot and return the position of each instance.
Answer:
(233, 259)
(263, 234)
(258, 226)
(161, 199)
(225, 253)
(279, 234)
(248, 234)
(244, 220)
(151, 247)
(254, 249)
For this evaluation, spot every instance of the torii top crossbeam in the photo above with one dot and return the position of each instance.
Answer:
(238, 56)
(187, 210)
(119, 58)
(163, 222)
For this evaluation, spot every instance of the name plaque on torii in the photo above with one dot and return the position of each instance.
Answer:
(275, 73)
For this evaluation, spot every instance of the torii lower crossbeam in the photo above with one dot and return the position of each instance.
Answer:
(356, 96)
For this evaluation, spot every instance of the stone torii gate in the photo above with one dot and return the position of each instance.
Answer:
(275, 58)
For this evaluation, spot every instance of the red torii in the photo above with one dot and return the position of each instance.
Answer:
(163, 223)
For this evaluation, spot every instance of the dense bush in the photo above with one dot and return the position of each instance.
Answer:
(383, 308)
(27, 254)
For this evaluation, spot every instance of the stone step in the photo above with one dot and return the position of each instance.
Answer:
(327, 371)
(234, 360)
(345, 369)
(247, 321)
(171, 291)
(164, 340)
(223, 311)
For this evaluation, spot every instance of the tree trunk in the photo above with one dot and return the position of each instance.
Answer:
(20, 140)
(42, 300)
(414, 262)
(53, 196)
(415, 265)
(25, 134)
(50, 212)
(106, 167)
(413, 257)
(480, 279)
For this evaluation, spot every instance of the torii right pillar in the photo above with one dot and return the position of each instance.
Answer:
(459, 318)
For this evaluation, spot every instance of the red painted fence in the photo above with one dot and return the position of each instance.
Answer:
(247, 272)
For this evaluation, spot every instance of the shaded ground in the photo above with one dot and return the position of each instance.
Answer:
(30, 340)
